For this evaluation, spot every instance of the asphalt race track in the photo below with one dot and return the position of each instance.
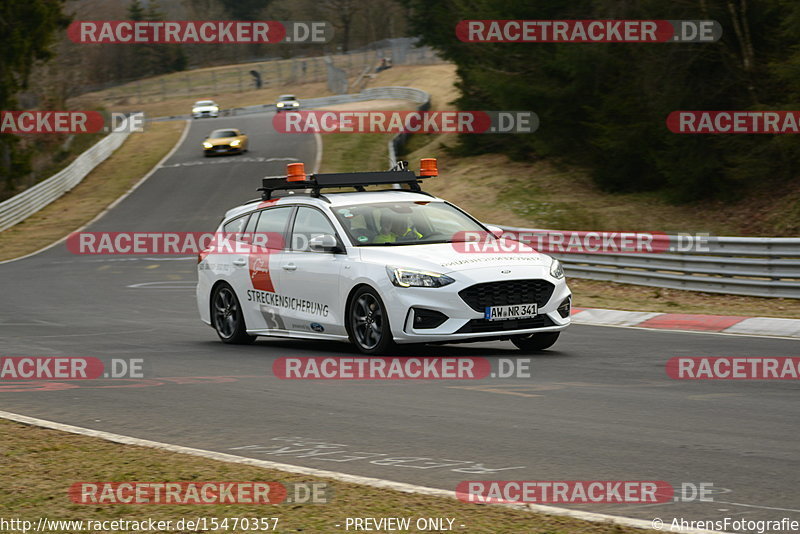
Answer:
(598, 407)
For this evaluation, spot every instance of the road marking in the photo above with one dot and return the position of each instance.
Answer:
(32, 322)
(318, 158)
(695, 332)
(333, 475)
(238, 159)
(711, 396)
(508, 390)
(173, 284)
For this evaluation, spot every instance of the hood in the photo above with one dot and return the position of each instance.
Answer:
(222, 140)
(205, 108)
(444, 258)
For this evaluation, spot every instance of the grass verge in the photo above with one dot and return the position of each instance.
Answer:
(39, 465)
(107, 182)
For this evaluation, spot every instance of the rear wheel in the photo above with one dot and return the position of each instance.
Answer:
(368, 322)
(227, 317)
(534, 342)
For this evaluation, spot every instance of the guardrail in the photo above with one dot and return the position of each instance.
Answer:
(373, 93)
(752, 266)
(25, 204)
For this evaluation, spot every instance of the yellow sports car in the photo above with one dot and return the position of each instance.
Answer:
(228, 141)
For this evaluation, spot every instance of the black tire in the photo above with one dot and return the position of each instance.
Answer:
(227, 318)
(368, 322)
(534, 342)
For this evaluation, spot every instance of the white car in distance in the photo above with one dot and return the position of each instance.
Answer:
(205, 108)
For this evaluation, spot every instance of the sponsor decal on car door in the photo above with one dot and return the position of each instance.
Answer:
(262, 266)
(310, 276)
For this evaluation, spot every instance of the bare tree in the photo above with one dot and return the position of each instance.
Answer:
(342, 13)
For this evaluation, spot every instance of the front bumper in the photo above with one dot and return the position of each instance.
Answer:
(208, 114)
(220, 150)
(463, 322)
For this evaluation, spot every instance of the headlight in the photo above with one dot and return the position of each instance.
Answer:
(295, 104)
(280, 104)
(412, 278)
(556, 270)
(236, 142)
(214, 108)
(206, 144)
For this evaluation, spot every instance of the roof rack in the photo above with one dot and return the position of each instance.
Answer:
(297, 179)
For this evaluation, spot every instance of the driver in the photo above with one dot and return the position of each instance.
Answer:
(393, 227)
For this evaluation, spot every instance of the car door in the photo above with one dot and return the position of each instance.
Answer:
(312, 277)
(262, 300)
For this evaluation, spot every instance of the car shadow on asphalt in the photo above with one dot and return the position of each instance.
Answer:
(291, 347)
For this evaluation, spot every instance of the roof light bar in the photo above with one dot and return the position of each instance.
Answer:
(296, 178)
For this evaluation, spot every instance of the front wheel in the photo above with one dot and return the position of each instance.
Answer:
(227, 317)
(368, 322)
(534, 342)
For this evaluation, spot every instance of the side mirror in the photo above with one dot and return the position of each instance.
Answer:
(495, 230)
(324, 243)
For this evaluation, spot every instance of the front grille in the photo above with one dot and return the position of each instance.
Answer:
(484, 325)
(506, 292)
(218, 147)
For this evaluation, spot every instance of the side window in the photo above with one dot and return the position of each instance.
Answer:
(236, 226)
(271, 227)
(251, 228)
(309, 223)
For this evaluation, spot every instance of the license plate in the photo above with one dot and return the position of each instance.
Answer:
(512, 311)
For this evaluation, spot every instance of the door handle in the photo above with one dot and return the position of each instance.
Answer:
(290, 267)
(240, 262)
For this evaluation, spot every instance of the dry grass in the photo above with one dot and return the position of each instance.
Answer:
(107, 182)
(39, 465)
(435, 79)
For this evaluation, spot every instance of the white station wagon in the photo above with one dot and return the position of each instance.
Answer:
(374, 267)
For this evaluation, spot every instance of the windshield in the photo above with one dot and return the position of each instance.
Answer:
(405, 223)
(223, 133)
(205, 103)
(286, 97)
